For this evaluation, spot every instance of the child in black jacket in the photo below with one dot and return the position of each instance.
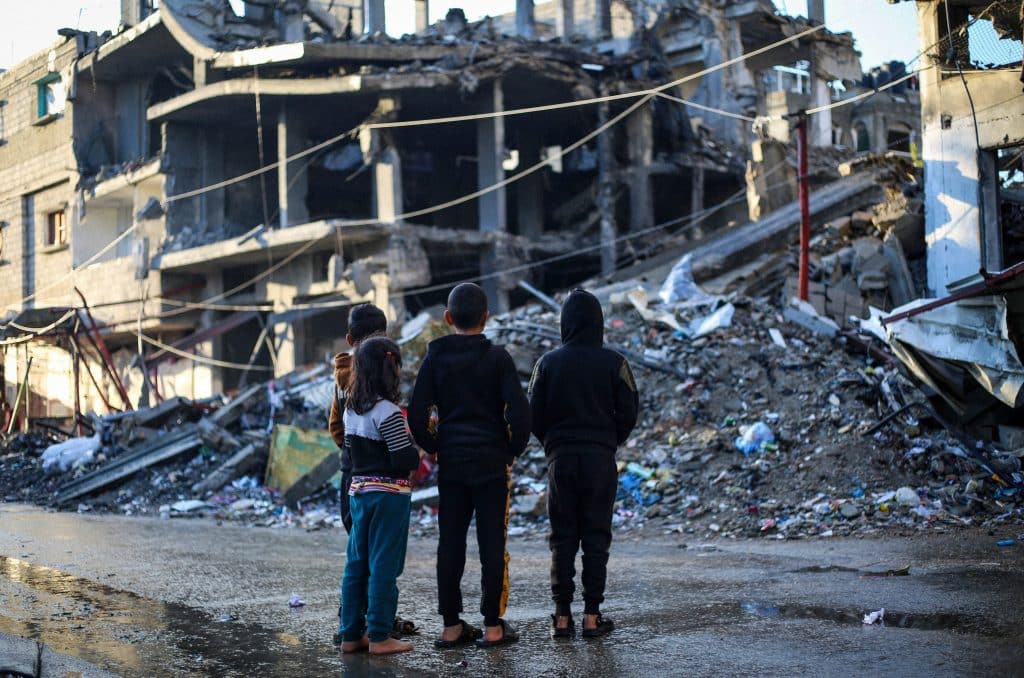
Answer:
(584, 404)
(483, 424)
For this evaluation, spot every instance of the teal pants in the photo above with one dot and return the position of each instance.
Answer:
(374, 560)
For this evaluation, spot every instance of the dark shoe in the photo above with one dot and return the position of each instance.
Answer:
(468, 635)
(568, 632)
(404, 627)
(508, 635)
(603, 628)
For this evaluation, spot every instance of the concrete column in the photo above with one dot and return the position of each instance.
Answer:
(524, 18)
(292, 181)
(606, 189)
(293, 27)
(530, 189)
(422, 15)
(566, 18)
(639, 126)
(374, 10)
(493, 215)
(379, 151)
(697, 201)
(604, 18)
(821, 123)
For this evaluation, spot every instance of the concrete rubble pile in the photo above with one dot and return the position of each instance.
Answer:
(761, 415)
(753, 425)
(254, 458)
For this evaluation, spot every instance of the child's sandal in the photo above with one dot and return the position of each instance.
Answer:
(603, 628)
(468, 635)
(508, 635)
(567, 632)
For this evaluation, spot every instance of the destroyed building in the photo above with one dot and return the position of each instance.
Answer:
(221, 188)
(966, 341)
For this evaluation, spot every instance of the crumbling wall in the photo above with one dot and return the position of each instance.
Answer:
(960, 243)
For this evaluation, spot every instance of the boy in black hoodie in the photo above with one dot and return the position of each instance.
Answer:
(584, 404)
(483, 424)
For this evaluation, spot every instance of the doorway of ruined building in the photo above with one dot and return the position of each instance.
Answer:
(1002, 172)
(244, 345)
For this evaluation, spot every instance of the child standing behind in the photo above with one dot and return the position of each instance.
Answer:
(584, 403)
(483, 424)
(382, 453)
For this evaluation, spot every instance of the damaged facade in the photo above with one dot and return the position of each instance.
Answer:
(135, 160)
(966, 340)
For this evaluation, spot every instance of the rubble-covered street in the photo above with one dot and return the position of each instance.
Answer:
(146, 597)
(802, 226)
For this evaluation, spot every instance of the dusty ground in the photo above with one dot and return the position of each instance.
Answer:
(137, 596)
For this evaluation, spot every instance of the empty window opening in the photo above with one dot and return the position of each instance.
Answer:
(1010, 202)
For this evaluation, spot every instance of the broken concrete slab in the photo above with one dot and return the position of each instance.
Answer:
(803, 314)
(317, 477)
(240, 463)
(161, 449)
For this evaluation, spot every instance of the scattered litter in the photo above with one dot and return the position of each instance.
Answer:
(876, 617)
(296, 601)
(680, 288)
(188, 506)
(71, 454)
(718, 320)
(1006, 542)
(757, 437)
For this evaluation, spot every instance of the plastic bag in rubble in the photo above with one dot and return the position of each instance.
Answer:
(680, 288)
(73, 453)
(755, 438)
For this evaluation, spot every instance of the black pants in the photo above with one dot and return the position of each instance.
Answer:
(457, 504)
(581, 498)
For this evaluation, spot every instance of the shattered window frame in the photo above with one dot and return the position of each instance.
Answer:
(977, 36)
(995, 162)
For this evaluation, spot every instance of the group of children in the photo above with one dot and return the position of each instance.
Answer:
(469, 410)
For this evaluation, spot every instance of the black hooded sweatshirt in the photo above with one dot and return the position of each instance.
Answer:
(483, 414)
(582, 395)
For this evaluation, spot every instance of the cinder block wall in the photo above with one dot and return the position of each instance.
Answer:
(35, 160)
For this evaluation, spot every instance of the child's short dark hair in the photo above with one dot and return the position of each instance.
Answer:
(467, 303)
(366, 320)
(377, 375)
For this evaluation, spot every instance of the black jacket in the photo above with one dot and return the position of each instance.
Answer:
(483, 414)
(582, 395)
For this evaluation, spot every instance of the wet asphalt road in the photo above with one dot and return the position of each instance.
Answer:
(145, 597)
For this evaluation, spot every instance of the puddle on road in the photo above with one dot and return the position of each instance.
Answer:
(121, 631)
(940, 621)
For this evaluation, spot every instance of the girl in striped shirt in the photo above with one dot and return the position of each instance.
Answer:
(383, 454)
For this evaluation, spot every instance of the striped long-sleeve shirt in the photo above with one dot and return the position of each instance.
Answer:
(380, 448)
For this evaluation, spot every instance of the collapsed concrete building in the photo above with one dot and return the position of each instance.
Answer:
(223, 187)
(967, 340)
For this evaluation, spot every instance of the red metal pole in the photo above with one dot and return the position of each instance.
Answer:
(805, 209)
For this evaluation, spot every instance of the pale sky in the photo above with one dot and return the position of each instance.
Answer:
(883, 31)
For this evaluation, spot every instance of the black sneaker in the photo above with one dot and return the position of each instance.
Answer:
(603, 628)
(568, 632)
